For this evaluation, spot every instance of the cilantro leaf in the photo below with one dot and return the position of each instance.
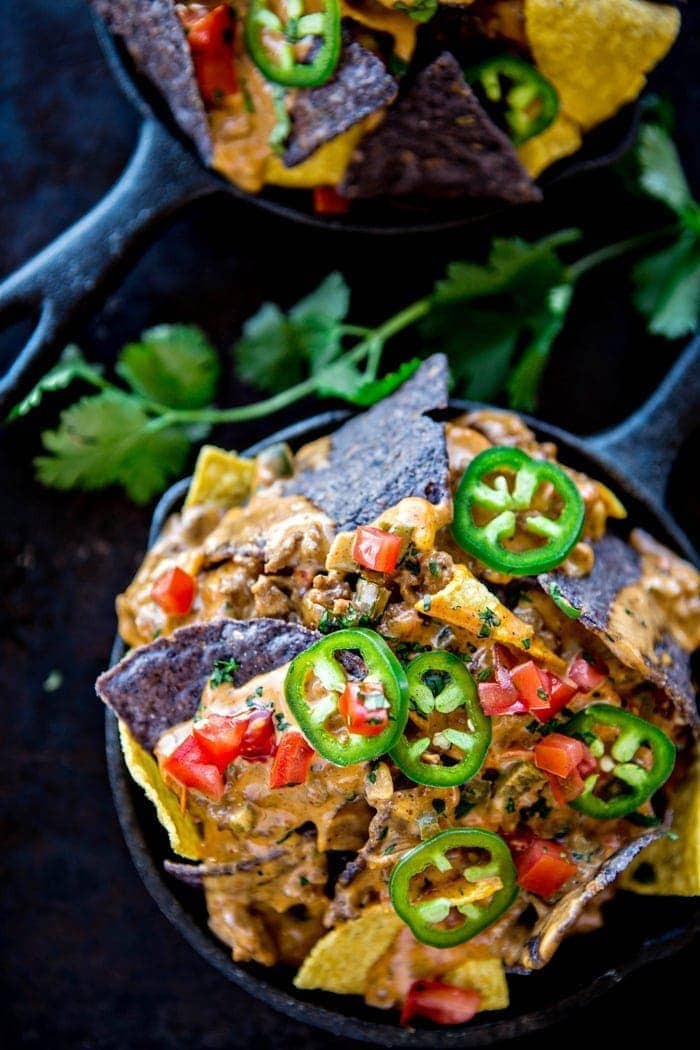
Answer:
(545, 326)
(316, 319)
(72, 365)
(484, 314)
(276, 349)
(173, 365)
(265, 355)
(660, 171)
(104, 440)
(344, 380)
(667, 288)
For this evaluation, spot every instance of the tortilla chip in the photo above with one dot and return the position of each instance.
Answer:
(155, 39)
(553, 927)
(325, 167)
(384, 19)
(596, 52)
(367, 471)
(614, 609)
(486, 976)
(159, 685)
(220, 477)
(561, 139)
(340, 962)
(181, 829)
(671, 866)
(463, 603)
(438, 141)
(360, 86)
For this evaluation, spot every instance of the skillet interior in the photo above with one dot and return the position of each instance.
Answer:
(601, 147)
(638, 930)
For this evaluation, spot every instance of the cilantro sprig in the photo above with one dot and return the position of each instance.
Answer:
(496, 320)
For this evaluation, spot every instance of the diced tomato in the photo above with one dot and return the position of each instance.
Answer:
(500, 697)
(221, 738)
(503, 657)
(327, 201)
(174, 591)
(211, 39)
(292, 761)
(558, 754)
(588, 763)
(566, 789)
(259, 740)
(588, 674)
(439, 1002)
(376, 549)
(190, 765)
(359, 718)
(561, 690)
(544, 867)
(532, 684)
(496, 699)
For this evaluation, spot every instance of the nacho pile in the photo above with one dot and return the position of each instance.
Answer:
(358, 99)
(391, 759)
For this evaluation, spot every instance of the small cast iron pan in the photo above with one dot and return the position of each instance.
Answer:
(635, 459)
(163, 175)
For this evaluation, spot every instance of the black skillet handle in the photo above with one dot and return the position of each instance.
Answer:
(160, 177)
(643, 447)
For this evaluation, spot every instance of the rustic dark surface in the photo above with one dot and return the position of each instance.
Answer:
(87, 960)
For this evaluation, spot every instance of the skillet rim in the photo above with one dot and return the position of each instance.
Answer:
(124, 792)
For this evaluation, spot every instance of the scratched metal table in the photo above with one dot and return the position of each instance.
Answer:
(87, 960)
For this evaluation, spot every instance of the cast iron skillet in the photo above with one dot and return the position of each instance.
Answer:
(164, 174)
(635, 459)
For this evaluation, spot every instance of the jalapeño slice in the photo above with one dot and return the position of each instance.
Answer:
(636, 756)
(348, 719)
(450, 734)
(454, 885)
(296, 47)
(530, 101)
(496, 503)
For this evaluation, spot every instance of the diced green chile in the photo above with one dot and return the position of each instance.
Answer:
(320, 661)
(426, 919)
(485, 541)
(636, 783)
(280, 63)
(531, 101)
(457, 694)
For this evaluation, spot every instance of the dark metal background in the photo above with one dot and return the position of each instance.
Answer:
(86, 959)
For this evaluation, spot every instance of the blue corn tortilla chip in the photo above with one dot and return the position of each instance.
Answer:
(554, 925)
(618, 565)
(392, 451)
(160, 684)
(156, 41)
(438, 141)
(360, 86)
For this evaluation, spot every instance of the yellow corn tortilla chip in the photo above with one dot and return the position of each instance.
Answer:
(220, 477)
(597, 52)
(671, 867)
(340, 962)
(181, 829)
(561, 139)
(325, 167)
(486, 976)
(385, 19)
(463, 603)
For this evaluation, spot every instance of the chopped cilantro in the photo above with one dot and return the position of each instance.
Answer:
(489, 620)
(224, 671)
